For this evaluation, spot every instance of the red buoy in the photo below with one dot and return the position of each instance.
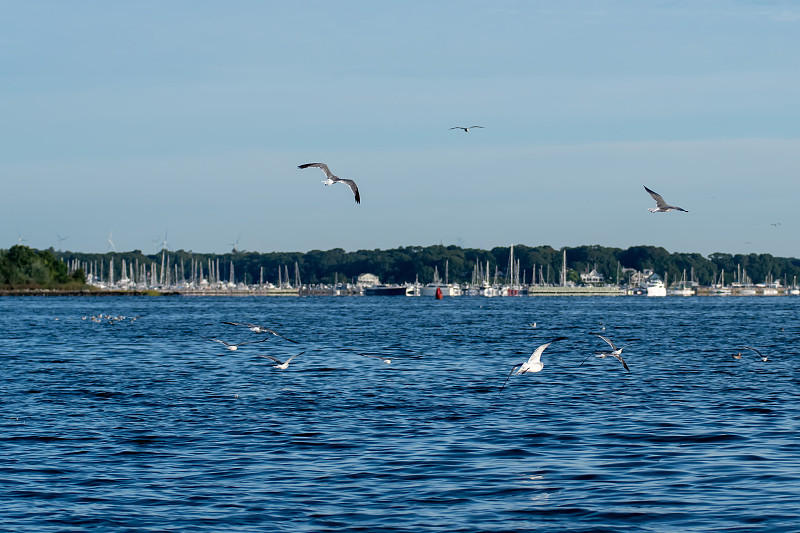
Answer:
(439, 295)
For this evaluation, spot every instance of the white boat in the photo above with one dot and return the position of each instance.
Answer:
(720, 289)
(656, 288)
(447, 288)
(682, 289)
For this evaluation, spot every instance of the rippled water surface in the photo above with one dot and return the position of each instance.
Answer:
(145, 426)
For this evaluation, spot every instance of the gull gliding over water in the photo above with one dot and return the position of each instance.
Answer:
(661, 205)
(534, 363)
(233, 347)
(384, 359)
(334, 179)
(615, 352)
(280, 365)
(259, 329)
(764, 357)
(465, 128)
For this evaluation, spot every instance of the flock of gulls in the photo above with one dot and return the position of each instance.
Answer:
(282, 365)
(532, 365)
(331, 178)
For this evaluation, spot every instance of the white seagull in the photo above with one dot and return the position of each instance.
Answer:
(233, 347)
(661, 205)
(284, 365)
(615, 352)
(465, 128)
(763, 357)
(334, 179)
(259, 329)
(534, 363)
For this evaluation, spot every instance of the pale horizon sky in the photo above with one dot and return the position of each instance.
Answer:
(140, 119)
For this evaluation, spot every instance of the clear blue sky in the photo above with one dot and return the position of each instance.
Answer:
(190, 117)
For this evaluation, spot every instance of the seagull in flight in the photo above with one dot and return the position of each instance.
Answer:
(284, 365)
(259, 329)
(661, 205)
(465, 128)
(384, 359)
(615, 352)
(334, 179)
(534, 363)
(233, 347)
(763, 357)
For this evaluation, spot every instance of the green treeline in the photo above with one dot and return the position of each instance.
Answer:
(407, 264)
(25, 268)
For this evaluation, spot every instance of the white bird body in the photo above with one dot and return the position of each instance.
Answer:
(661, 205)
(331, 178)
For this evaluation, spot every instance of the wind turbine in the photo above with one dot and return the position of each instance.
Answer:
(111, 246)
(164, 245)
(235, 243)
(60, 240)
(20, 240)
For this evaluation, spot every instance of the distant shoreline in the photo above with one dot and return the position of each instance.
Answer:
(58, 292)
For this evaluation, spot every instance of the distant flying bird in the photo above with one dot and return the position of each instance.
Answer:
(334, 179)
(615, 352)
(233, 347)
(259, 329)
(661, 205)
(384, 359)
(763, 357)
(280, 365)
(534, 363)
(465, 128)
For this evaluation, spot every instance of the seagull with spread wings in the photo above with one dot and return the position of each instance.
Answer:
(259, 329)
(233, 347)
(282, 365)
(465, 128)
(615, 352)
(661, 205)
(331, 178)
(534, 362)
(762, 356)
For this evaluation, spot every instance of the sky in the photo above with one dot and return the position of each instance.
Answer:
(184, 122)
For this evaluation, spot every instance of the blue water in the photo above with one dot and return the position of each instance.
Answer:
(145, 426)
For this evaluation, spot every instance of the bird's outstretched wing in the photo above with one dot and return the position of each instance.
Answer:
(215, 340)
(353, 187)
(657, 197)
(608, 341)
(537, 353)
(270, 331)
(323, 166)
(273, 358)
(384, 359)
(761, 355)
(252, 342)
(621, 360)
(292, 357)
(476, 127)
(509, 374)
